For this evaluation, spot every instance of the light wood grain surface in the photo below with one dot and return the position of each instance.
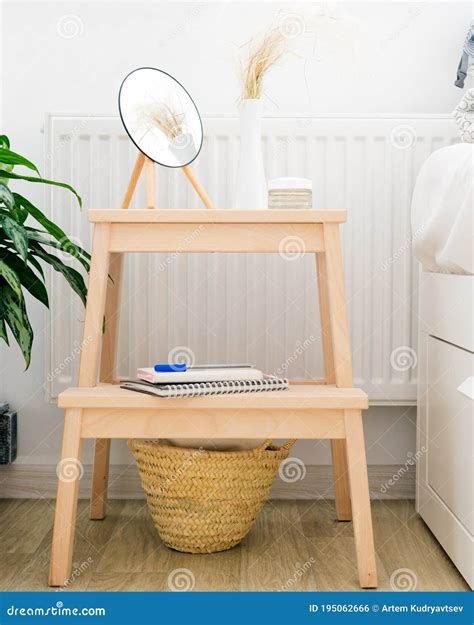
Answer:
(212, 237)
(294, 546)
(298, 396)
(307, 411)
(219, 216)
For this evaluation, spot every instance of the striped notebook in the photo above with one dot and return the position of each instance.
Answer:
(202, 389)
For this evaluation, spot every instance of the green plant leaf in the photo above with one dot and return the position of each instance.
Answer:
(14, 208)
(73, 250)
(7, 157)
(54, 230)
(21, 251)
(74, 278)
(3, 331)
(5, 143)
(64, 185)
(8, 246)
(33, 283)
(21, 214)
(11, 278)
(5, 168)
(17, 233)
(32, 260)
(15, 315)
(6, 196)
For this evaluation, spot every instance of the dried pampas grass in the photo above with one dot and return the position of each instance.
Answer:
(166, 118)
(262, 56)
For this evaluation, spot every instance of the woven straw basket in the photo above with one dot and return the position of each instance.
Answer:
(205, 501)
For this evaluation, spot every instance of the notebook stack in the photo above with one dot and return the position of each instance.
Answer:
(202, 380)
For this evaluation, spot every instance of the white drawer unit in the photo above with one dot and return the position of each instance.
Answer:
(445, 426)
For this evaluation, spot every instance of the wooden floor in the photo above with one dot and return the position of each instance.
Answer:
(294, 546)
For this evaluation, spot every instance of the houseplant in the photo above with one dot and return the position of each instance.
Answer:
(25, 249)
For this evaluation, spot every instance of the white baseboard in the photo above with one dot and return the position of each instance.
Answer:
(39, 481)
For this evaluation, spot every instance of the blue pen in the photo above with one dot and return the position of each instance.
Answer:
(167, 368)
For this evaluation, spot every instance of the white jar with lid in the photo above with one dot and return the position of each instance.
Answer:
(285, 193)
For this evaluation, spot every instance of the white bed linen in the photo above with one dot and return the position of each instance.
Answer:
(443, 209)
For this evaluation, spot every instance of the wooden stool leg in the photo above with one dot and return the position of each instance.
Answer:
(69, 472)
(100, 479)
(108, 359)
(93, 327)
(355, 448)
(359, 485)
(338, 446)
(137, 170)
(341, 479)
(150, 183)
(337, 307)
(197, 186)
(100, 473)
(95, 307)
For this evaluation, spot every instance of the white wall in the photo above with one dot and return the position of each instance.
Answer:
(383, 59)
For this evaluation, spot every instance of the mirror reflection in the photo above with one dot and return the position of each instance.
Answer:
(160, 117)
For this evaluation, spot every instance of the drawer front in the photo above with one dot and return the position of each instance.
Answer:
(449, 423)
(447, 308)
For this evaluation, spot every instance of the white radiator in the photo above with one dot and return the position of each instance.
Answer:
(255, 308)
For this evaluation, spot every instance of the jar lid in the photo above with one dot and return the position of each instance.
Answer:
(290, 183)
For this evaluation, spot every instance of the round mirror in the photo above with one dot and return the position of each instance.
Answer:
(160, 117)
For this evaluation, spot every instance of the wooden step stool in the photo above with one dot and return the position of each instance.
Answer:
(329, 408)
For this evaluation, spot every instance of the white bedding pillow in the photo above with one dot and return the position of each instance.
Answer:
(442, 211)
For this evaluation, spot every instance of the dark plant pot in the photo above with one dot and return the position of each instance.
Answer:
(8, 429)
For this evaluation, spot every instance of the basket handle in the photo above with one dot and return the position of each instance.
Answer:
(287, 446)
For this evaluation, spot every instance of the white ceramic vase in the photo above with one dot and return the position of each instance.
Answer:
(183, 149)
(250, 185)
